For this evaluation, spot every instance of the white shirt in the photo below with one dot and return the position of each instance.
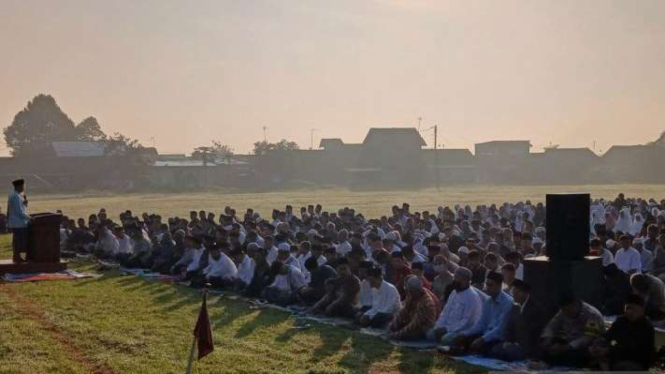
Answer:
(365, 294)
(385, 299)
(608, 257)
(301, 260)
(292, 281)
(462, 311)
(246, 270)
(343, 248)
(221, 268)
(272, 255)
(628, 260)
(519, 272)
(196, 258)
(125, 244)
(108, 243)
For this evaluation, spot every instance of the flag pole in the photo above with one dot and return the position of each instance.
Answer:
(191, 350)
(191, 357)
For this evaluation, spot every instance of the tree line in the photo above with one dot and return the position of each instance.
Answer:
(43, 122)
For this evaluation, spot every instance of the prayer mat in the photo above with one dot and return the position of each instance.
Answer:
(494, 364)
(39, 277)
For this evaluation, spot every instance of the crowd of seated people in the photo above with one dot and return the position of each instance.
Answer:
(454, 275)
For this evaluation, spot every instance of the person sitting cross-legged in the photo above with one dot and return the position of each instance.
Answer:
(418, 315)
(385, 302)
(462, 311)
(489, 330)
(315, 290)
(286, 285)
(524, 324)
(342, 295)
(629, 343)
(221, 271)
(569, 334)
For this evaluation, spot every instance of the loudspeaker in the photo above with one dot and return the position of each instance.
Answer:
(567, 221)
(551, 279)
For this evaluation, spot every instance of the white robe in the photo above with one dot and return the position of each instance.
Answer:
(462, 311)
(221, 268)
(385, 299)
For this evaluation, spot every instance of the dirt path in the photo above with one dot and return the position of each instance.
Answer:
(25, 307)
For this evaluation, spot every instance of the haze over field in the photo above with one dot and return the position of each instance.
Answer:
(567, 72)
(372, 204)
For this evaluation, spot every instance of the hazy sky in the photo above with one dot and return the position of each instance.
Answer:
(187, 72)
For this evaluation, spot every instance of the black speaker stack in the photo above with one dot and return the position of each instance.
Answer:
(567, 270)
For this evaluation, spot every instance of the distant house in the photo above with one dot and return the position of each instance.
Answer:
(502, 160)
(565, 165)
(503, 148)
(634, 163)
(331, 143)
(79, 149)
(449, 166)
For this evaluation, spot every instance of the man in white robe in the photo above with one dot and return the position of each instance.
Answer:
(385, 302)
(462, 311)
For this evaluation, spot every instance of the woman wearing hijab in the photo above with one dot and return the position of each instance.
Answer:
(624, 223)
(610, 222)
(636, 228)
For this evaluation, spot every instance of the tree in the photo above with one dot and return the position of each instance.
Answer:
(89, 130)
(262, 147)
(118, 144)
(216, 151)
(36, 126)
(42, 122)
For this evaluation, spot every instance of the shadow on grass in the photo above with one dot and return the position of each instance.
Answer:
(263, 318)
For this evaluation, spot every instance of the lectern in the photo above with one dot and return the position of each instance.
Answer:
(44, 238)
(43, 247)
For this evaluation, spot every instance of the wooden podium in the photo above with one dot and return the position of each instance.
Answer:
(43, 247)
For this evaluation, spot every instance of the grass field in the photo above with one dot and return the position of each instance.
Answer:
(117, 324)
(370, 203)
(124, 324)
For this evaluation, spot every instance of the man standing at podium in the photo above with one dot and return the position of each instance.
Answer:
(18, 219)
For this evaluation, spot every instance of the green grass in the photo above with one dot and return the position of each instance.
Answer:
(125, 324)
(370, 203)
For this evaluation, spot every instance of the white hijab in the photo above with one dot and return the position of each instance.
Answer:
(637, 225)
(625, 222)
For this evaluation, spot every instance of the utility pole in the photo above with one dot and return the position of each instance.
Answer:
(436, 128)
(419, 120)
(265, 136)
(311, 138)
(436, 154)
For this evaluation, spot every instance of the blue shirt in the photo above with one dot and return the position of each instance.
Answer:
(491, 323)
(17, 213)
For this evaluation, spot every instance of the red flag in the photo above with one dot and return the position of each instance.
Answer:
(203, 332)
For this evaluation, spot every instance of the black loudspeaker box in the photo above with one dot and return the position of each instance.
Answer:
(550, 280)
(567, 217)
